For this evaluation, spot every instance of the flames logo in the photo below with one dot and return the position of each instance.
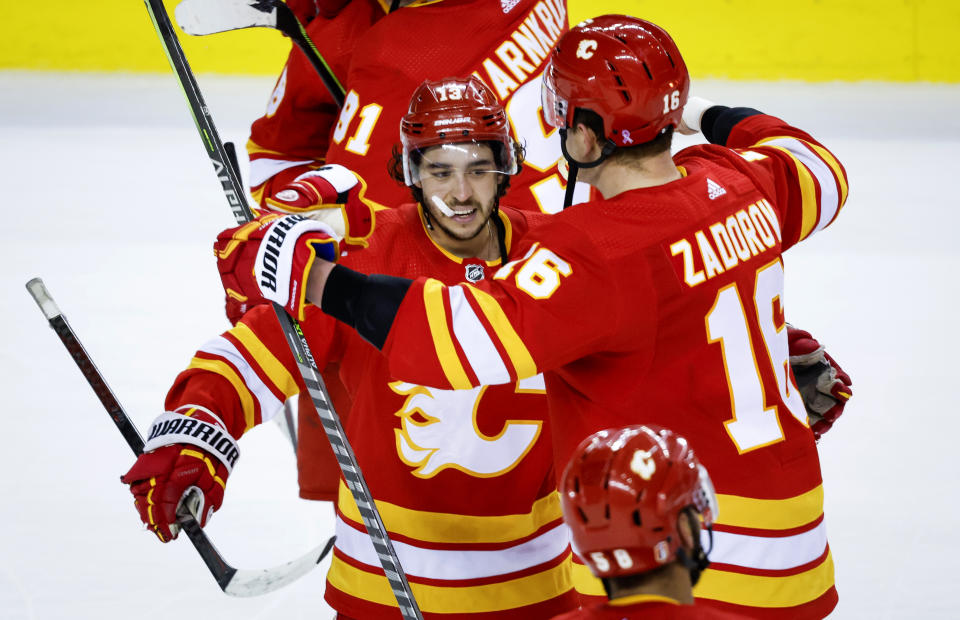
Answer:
(438, 430)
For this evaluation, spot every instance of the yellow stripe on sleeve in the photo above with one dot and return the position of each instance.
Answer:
(770, 514)
(486, 598)
(831, 161)
(520, 357)
(759, 591)
(276, 372)
(808, 194)
(442, 340)
(255, 149)
(440, 527)
(224, 370)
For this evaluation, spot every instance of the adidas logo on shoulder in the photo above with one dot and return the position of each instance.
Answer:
(714, 189)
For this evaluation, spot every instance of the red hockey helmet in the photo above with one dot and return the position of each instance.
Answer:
(452, 111)
(627, 70)
(622, 492)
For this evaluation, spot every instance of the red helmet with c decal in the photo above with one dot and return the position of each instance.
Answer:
(627, 70)
(622, 493)
(455, 110)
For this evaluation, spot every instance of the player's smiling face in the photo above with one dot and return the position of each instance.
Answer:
(464, 176)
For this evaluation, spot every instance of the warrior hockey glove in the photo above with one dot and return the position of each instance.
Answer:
(187, 458)
(270, 257)
(332, 195)
(824, 386)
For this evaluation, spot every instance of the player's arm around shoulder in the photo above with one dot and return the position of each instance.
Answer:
(243, 375)
(537, 312)
(235, 381)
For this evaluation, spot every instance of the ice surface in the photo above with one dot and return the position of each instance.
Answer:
(111, 200)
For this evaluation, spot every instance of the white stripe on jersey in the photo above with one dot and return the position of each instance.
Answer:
(269, 404)
(456, 563)
(829, 192)
(262, 169)
(475, 341)
(777, 553)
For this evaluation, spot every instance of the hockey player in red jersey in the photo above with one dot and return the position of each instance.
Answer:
(636, 500)
(380, 56)
(463, 480)
(661, 303)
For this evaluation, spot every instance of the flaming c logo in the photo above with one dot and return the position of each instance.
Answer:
(586, 48)
(439, 430)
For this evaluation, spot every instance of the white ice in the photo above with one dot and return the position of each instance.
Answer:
(111, 200)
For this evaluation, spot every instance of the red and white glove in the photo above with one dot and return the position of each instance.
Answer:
(270, 257)
(186, 459)
(824, 386)
(332, 195)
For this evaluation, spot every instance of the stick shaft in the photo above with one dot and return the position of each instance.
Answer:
(229, 181)
(221, 571)
(291, 329)
(288, 23)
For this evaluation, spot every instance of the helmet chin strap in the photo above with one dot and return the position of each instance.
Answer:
(571, 182)
(574, 165)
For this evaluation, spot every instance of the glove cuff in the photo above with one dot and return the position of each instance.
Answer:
(172, 428)
(274, 265)
(340, 178)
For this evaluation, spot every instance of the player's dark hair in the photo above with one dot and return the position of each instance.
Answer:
(625, 155)
(395, 169)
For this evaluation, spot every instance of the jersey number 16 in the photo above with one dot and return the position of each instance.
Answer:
(755, 423)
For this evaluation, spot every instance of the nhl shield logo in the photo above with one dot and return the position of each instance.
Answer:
(474, 273)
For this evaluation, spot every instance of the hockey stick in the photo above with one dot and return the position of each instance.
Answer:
(202, 17)
(233, 581)
(287, 421)
(291, 329)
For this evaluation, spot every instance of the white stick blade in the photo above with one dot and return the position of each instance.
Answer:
(42, 296)
(201, 17)
(246, 582)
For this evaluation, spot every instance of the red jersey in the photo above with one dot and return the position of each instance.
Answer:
(381, 59)
(463, 480)
(647, 607)
(664, 305)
